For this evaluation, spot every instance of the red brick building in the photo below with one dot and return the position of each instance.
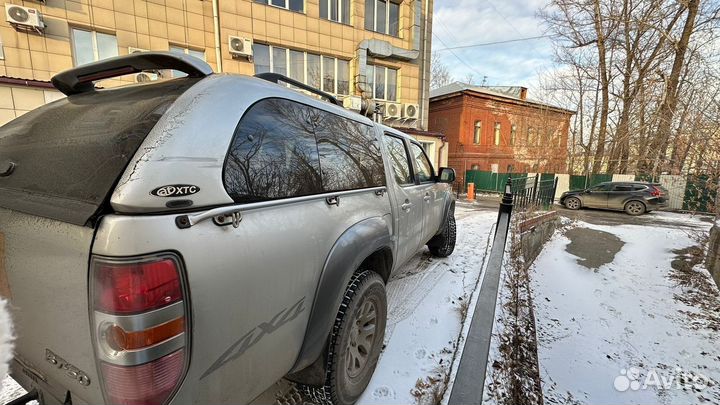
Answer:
(488, 126)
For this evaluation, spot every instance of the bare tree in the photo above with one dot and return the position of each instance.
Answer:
(643, 80)
(439, 74)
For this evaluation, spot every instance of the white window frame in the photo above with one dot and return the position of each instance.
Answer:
(305, 68)
(286, 7)
(341, 11)
(385, 76)
(387, 18)
(93, 36)
(497, 133)
(186, 51)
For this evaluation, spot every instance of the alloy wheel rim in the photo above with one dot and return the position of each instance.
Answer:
(634, 208)
(362, 337)
(572, 203)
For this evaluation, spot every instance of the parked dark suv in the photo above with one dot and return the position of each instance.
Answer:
(635, 198)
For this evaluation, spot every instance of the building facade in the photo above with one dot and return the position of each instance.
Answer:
(371, 49)
(498, 129)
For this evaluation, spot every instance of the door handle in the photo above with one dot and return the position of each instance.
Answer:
(427, 198)
(406, 206)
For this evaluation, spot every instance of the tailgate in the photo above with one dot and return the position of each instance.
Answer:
(46, 264)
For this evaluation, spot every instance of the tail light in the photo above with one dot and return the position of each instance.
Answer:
(140, 326)
(655, 192)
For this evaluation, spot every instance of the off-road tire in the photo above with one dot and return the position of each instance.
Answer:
(635, 208)
(443, 244)
(342, 387)
(572, 203)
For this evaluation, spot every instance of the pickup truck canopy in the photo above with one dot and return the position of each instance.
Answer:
(62, 160)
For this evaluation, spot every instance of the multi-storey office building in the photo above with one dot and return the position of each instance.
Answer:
(372, 49)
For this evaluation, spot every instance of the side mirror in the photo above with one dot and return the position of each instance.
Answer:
(446, 175)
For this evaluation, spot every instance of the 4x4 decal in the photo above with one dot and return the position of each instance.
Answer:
(256, 334)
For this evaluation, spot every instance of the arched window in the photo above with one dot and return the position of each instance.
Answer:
(478, 132)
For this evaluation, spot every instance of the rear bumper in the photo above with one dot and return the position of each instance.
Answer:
(656, 203)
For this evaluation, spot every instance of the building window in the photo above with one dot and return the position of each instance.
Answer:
(477, 136)
(293, 5)
(91, 46)
(382, 16)
(186, 51)
(428, 146)
(530, 136)
(322, 72)
(497, 134)
(513, 134)
(335, 10)
(383, 82)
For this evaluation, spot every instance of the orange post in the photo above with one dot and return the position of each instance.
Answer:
(471, 191)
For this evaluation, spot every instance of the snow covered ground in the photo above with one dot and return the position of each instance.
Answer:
(641, 328)
(425, 301)
(426, 298)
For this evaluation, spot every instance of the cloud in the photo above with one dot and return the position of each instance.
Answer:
(466, 22)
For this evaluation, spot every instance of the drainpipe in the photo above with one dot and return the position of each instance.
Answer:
(440, 149)
(216, 26)
(425, 68)
(384, 49)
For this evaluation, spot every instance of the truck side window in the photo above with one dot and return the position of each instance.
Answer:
(422, 163)
(273, 153)
(400, 160)
(349, 151)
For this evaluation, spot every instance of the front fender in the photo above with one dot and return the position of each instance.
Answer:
(350, 250)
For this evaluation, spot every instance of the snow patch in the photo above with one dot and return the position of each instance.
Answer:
(594, 326)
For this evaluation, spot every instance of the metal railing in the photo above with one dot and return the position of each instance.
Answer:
(532, 191)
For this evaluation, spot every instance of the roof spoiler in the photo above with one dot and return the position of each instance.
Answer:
(277, 78)
(80, 79)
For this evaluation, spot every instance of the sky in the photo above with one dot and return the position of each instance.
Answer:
(468, 22)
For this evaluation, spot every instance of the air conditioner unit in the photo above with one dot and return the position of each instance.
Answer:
(393, 110)
(144, 77)
(24, 17)
(240, 47)
(353, 103)
(411, 111)
(132, 50)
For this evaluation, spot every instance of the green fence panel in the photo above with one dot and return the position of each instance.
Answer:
(500, 180)
(577, 182)
(489, 181)
(599, 178)
(699, 194)
(482, 180)
(547, 176)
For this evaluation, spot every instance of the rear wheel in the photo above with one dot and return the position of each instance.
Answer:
(356, 341)
(572, 203)
(635, 208)
(443, 244)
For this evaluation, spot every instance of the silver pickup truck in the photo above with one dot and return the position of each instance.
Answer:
(195, 240)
